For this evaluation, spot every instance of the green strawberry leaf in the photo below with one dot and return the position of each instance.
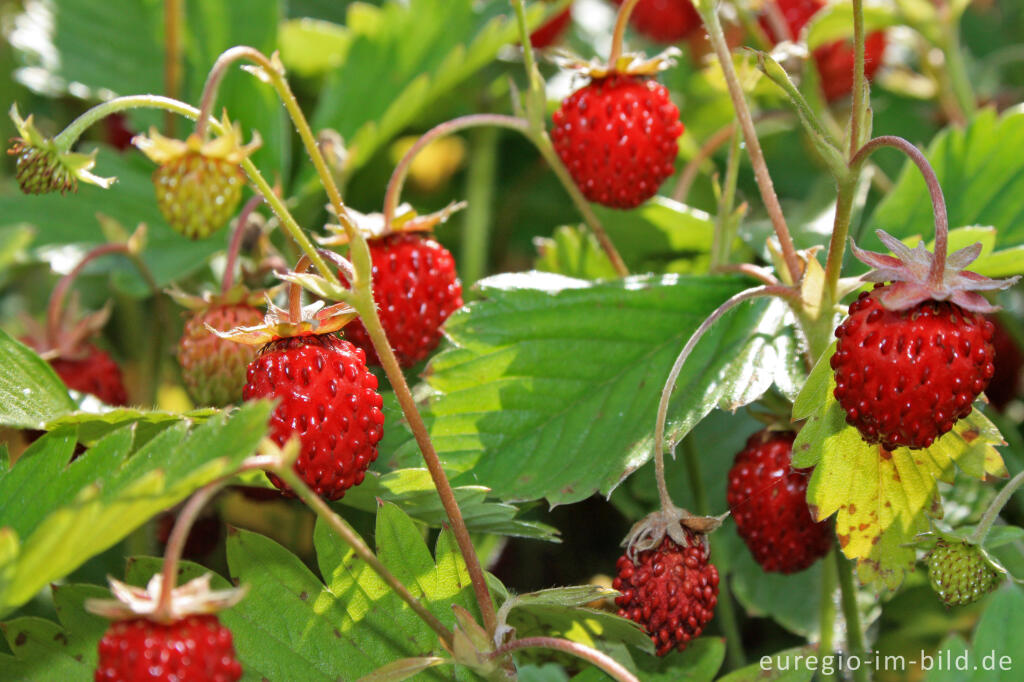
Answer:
(54, 515)
(881, 499)
(45, 650)
(93, 426)
(312, 47)
(981, 176)
(573, 252)
(700, 662)
(403, 57)
(282, 627)
(552, 386)
(790, 665)
(30, 391)
(999, 636)
(413, 491)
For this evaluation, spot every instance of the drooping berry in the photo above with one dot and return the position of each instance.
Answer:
(959, 573)
(94, 372)
(617, 136)
(670, 590)
(549, 32)
(665, 21)
(767, 498)
(327, 397)
(416, 288)
(198, 183)
(213, 368)
(835, 60)
(904, 377)
(195, 648)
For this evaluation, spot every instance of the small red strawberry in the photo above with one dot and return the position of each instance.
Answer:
(93, 372)
(834, 60)
(666, 21)
(213, 368)
(198, 183)
(181, 641)
(617, 136)
(767, 498)
(914, 354)
(416, 288)
(549, 33)
(116, 132)
(670, 590)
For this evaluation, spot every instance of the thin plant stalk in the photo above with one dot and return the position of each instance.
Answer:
(992, 513)
(235, 245)
(725, 221)
(600, 659)
(851, 613)
(480, 185)
(176, 542)
(827, 607)
(341, 528)
(860, 83)
(673, 375)
(174, 16)
(619, 32)
(761, 174)
(692, 168)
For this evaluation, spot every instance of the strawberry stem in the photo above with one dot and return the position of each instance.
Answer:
(710, 146)
(176, 544)
(790, 295)
(851, 613)
(761, 174)
(827, 607)
(938, 269)
(601, 660)
(726, 223)
(620, 31)
(992, 513)
(236, 243)
(861, 94)
(361, 549)
(67, 137)
(174, 15)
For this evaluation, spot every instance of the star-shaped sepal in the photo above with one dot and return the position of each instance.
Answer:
(193, 598)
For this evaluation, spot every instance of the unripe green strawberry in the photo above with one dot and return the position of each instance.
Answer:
(214, 368)
(198, 183)
(959, 573)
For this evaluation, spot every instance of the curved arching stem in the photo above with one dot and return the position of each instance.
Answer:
(236, 243)
(992, 513)
(677, 366)
(600, 659)
(934, 190)
(692, 168)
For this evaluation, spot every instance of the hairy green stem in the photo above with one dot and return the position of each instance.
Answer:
(837, 243)
(602, 660)
(854, 631)
(480, 182)
(74, 130)
(764, 181)
(992, 513)
(341, 528)
(860, 84)
(524, 39)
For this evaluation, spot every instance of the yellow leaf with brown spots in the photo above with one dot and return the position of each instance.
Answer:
(881, 499)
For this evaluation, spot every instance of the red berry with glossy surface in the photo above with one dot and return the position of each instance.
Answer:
(670, 590)
(905, 377)
(767, 498)
(196, 648)
(834, 60)
(94, 373)
(617, 136)
(327, 397)
(549, 33)
(666, 21)
(416, 288)
(214, 369)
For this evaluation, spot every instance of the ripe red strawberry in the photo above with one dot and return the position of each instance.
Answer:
(670, 590)
(905, 377)
(196, 647)
(214, 368)
(552, 30)
(326, 396)
(666, 21)
(94, 372)
(767, 498)
(834, 60)
(617, 136)
(416, 288)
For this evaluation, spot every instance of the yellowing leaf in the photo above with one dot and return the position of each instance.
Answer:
(881, 499)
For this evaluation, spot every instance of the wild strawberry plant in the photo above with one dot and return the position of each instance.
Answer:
(397, 340)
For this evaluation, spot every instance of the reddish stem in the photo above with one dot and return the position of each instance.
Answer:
(176, 543)
(601, 660)
(938, 269)
(620, 31)
(236, 243)
(55, 309)
(295, 291)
